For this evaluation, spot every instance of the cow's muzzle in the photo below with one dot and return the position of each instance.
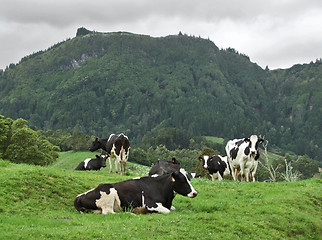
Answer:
(192, 194)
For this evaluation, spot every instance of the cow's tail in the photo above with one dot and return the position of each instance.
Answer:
(78, 205)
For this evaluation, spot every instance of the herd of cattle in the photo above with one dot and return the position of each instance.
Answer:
(154, 193)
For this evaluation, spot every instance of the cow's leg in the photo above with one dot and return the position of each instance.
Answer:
(123, 159)
(110, 161)
(116, 165)
(242, 171)
(212, 177)
(220, 176)
(124, 166)
(121, 166)
(246, 174)
(159, 208)
(253, 175)
(235, 173)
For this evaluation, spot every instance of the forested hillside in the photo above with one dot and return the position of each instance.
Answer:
(100, 83)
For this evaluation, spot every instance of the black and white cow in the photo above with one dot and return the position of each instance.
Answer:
(143, 195)
(243, 155)
(217, 166)
(117, 147)
(92, 163)
(163, 167)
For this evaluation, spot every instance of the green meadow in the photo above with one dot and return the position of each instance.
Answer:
(37, 203)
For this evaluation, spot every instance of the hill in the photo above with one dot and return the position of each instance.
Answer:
(37, 202)
(100, 83)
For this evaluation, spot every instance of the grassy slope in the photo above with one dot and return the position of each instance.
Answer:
(37, 202)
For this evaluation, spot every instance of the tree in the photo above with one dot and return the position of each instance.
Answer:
(5, 125)
(23, 145)
(138, 155)
(290, 175)
(267, 164)
(305, 166)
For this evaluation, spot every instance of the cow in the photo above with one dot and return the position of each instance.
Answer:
(195, 175)
(217, 166)
(92, 163)
(243, 155)
(143, 195)
(117, 147)
(164, 167)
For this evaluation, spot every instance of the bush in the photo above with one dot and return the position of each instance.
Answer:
(20, 144)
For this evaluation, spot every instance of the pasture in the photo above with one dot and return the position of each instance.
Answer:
(37, 203)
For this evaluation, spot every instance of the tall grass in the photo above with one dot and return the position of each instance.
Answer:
(37, 203)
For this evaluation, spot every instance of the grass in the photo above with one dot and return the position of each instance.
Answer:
(215, 139)
(37, 203)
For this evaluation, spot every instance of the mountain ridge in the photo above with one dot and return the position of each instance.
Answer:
(100, 83)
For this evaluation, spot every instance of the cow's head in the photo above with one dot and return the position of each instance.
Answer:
(182, 184)
(205, 159)
(95, 145)
(102, 159)
(175, 161)
(252, 148)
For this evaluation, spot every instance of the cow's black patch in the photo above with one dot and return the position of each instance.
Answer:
(247, 151)
(239, 142)
(233, 153)
(257, 155)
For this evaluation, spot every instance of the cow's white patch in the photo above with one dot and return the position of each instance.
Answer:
(136, 178)
(193, 192)
(86, 162)
(253, 140)
(160, 208)
(155, 175)
(109, 203)
(109, 138)
(205, 158)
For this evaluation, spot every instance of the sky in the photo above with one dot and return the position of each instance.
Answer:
(273, 33)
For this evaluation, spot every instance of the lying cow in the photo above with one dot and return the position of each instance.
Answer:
(163, 167)
(116, 146)
(92, 163)
(217, 166)
(243, 155)
(144, 195)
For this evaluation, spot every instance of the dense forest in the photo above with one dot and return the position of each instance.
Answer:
(102, 83)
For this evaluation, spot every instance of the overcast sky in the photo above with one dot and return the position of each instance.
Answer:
(273, 33)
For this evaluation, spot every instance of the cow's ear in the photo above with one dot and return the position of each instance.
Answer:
(246, 140)
(200, 158)
(173, 176)
(96, 139)
(97, 156)
(261, 141)
(211, 158)
(173, 160)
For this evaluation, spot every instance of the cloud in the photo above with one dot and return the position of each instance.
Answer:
(276, 33)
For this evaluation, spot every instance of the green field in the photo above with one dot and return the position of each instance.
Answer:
(215, 139)
(37, 203)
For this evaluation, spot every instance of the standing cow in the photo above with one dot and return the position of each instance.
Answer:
(92, 163)
(144, 195)
(243, 155)
(117, 147)
(217, 166)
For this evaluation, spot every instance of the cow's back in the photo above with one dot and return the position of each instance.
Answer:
(163, 167)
